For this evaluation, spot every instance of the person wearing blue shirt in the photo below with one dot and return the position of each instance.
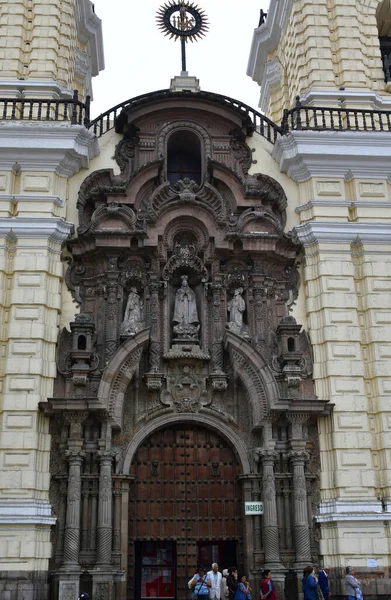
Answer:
(310, 583)
(200, 584)
(323, 579)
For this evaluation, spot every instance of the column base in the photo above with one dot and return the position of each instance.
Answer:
(68, 584)
(103, 583)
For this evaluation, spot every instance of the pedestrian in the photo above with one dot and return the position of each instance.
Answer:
(323, 579)
(310, 583)
(244, 590)
(224, 585)
(267, 589)
(232, 582)
(199, 584)
(215, 577)
(84, 596)
(353, 586)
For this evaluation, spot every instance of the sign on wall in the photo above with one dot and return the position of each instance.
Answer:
(253, 508)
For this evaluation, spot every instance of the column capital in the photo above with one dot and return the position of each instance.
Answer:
(266, 456)
(75, 456)
(298, 456)
(106, 456)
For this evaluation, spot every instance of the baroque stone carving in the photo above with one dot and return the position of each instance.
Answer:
(186, 389)
(185, 256)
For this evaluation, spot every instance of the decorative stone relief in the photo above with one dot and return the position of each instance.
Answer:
(133, 318)
(236, 308)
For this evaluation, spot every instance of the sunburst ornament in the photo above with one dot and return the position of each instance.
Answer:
(182, 21)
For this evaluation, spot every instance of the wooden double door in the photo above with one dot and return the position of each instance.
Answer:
(185, 509)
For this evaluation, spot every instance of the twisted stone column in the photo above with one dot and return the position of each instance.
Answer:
(270, 521)
(105, 526)
(300, 513)
(72, 524)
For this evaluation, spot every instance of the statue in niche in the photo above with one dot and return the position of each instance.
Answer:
(186, 324)
(236, 308)
(133, 322)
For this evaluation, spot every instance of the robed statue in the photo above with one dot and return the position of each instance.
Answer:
(132, 322)
(236, 308)
(185, 321)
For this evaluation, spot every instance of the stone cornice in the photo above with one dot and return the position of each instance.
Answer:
(266, 38)
(53, 229)
(26, 513)
(39, 146)
(346, 98)
(342, 233)
(306, 154)
(15, 198)
(89, 31)
(338, 203)
(15, 88)
(271, 79)
(349, 510)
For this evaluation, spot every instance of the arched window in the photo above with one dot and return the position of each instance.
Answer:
(183, 157)
(383, 17)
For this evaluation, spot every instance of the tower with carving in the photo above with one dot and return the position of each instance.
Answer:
(48, 50)
(324, 73)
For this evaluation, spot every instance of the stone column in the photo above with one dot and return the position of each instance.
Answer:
(72, 523)
(105, 525)
(117, 525)
(300, 513)
(270, 521)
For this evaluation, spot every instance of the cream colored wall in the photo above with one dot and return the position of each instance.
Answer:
(30, 280)
(347, 289)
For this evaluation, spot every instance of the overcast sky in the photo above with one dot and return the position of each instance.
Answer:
(139, 59)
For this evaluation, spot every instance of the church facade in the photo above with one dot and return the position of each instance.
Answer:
(196, 321)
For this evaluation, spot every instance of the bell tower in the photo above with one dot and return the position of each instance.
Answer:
(49, 49)
(329, 53)
(48, 53)
(324, 72)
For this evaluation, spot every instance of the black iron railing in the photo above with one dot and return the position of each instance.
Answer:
(315, 118)
(321, 118)
(259, 123)
(24, 109)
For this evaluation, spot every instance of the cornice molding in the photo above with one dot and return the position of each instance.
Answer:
(19, 88)
(266, 38)
(306, 154)
(39, 146)
(345, 98)
(348, 510)
(271, 79)
(15, 198)
(342, 233)
(26, 513)
(52, 229)
(89, 31)
(337, 203)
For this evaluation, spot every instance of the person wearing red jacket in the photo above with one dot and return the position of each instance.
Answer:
(267, 590)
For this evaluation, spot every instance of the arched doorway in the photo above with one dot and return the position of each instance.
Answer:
(185, 509)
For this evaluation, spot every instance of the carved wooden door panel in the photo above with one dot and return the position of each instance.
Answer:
(185, 490)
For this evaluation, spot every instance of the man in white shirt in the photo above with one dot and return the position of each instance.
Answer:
(215, 577)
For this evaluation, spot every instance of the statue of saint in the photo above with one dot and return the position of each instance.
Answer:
(185, 320)
(132, 322)
(236, 308)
